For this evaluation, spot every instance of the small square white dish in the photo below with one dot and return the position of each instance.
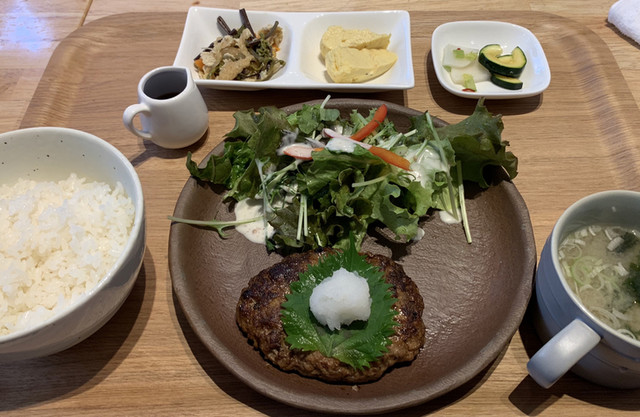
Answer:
(535, 77)
(300, 47)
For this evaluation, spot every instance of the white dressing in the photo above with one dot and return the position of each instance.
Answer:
(448, 218)
(339, 144)
(257, 231)
(429, 162)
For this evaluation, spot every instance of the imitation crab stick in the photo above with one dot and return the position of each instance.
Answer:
(300, 151)
(378, 117)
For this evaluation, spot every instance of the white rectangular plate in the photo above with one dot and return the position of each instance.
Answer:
(476, 34)
(300, 47)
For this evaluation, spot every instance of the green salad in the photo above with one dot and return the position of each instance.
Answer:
(316, 195)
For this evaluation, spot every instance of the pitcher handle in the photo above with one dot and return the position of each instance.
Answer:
(128, 116)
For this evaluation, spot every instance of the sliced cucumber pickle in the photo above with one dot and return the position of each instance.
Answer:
(511, 65)
(509, 83)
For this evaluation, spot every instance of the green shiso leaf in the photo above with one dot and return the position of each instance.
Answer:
(358, 344)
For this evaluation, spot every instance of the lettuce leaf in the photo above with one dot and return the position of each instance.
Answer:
(477, 143)
(313, 118)
(259, 137)
(224, 169)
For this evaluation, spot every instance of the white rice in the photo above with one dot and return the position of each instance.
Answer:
(59, 239)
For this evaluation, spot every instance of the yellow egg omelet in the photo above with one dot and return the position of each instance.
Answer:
(337, 37)
(351, 65)
(355, 55)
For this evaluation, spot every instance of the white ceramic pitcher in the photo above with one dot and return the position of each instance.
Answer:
(172, 111)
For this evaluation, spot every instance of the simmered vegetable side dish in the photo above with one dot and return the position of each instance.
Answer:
(241, 54)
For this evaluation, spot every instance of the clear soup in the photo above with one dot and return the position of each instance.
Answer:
(601, 264)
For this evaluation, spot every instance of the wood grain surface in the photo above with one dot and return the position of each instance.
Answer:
(578, 137)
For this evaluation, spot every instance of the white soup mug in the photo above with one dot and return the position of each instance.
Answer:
(575, 339)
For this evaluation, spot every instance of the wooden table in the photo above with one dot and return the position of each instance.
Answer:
(580, 136)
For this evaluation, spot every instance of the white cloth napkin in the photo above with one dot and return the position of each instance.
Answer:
(625, 15)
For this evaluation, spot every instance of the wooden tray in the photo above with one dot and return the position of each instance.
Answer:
(578, 137)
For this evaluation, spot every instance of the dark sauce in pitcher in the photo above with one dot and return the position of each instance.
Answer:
(168, 95)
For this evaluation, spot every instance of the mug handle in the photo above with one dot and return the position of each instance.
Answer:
(560, 353)
(128, 115)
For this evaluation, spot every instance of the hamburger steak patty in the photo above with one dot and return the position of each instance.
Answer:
(258, 316)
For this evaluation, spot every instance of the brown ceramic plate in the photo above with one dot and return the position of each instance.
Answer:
(475, 294)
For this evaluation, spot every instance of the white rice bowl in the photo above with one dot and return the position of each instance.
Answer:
(72, 217)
